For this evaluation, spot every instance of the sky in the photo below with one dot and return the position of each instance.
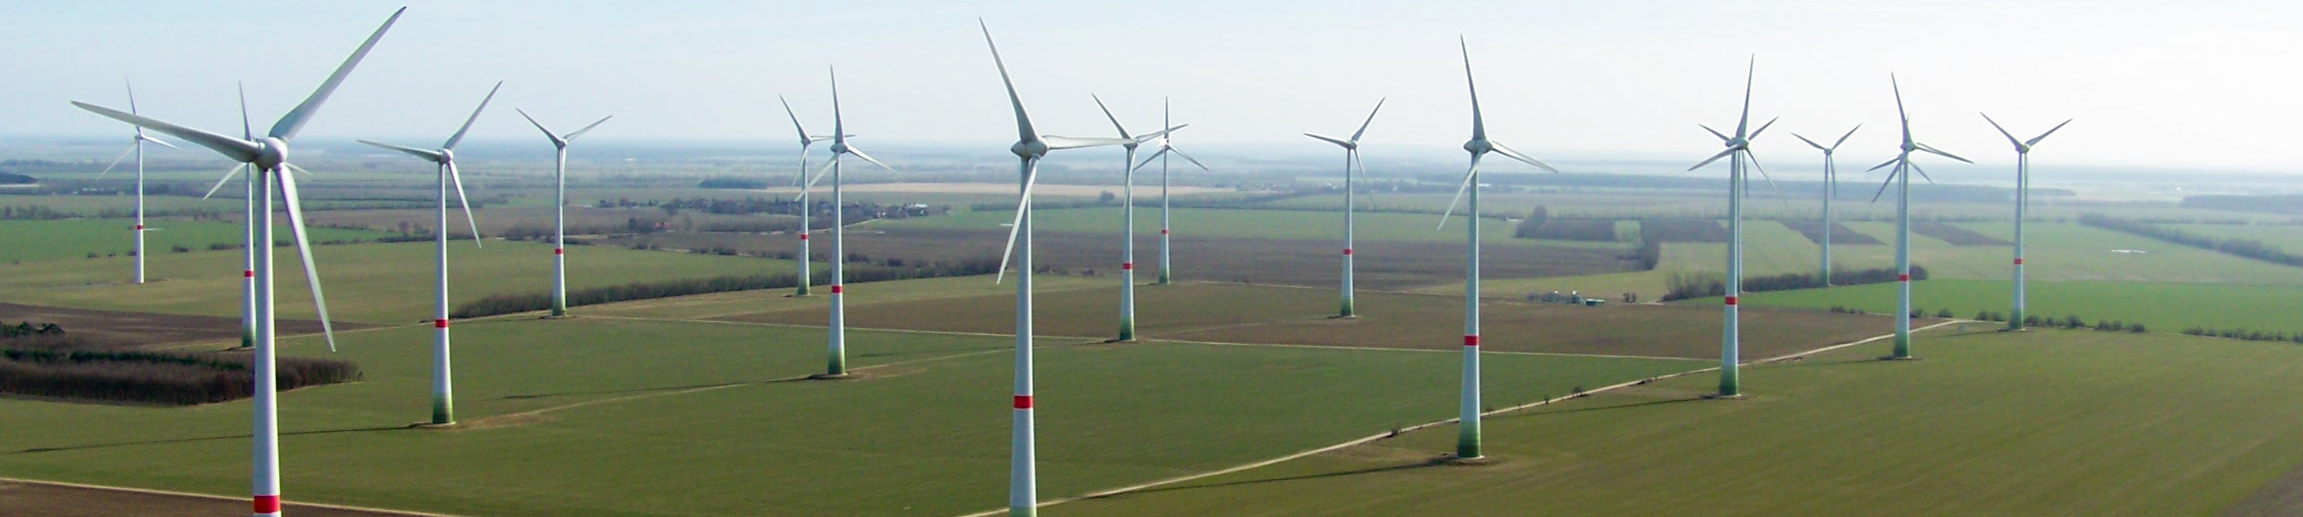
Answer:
(2206, 85)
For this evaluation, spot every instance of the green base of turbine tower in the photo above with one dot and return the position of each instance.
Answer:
(1730, 382)
(443, 412)
(2015, 320)
(1347, 311)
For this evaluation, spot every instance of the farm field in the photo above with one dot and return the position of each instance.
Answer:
(381, 284)
(2163, 306)
(1988, 424)
(1246, 314)
(2286, 237)
(706, 419)
(1238, 223)
(2056, 252)
(61, 239)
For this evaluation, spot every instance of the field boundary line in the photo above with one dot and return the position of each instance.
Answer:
(1426, 350)
(172, 493)
(1427, 425)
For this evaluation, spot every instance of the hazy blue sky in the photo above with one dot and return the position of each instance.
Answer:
(2155, 83)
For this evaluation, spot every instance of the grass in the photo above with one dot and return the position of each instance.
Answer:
(673, 418)
(2049, 423)
(367, 283)
(2054, 252)
(33, 241)
(2287, 237)
(2163, 306)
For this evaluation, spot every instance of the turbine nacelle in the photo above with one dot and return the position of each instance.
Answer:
(1029, 149)
(1478, 146)
(270, 153)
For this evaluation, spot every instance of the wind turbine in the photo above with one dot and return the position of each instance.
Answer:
(1350, 160)
(1830, 190)
(1128, 220)
(1738, 150)
(1467, 440)
(270, 158)
(247, 234)
(2022, 201)
(444, 160)
(838, 364)
(807, 207)
(136, 147)
(1166, 145)
(559, 209)
(1030, 147)
(1902, 175)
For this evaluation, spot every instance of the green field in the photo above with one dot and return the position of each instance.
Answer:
(380, 284)
(2286, 237)
(2163, 306)
(2054, 252)
(606, 416)
(2046, 423)
(31, 241)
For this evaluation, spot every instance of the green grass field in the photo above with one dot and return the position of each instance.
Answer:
(2048, 423)
(31, 241)
(2054, 252)
(379, 284)
(614, 417)
(2163, 306)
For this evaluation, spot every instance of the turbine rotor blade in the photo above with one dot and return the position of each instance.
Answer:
(1024, 131)
(1108, 115)
(588, 128)
(804, 139)
(1843, 138)
(1330, 139)
(1882, 165)
(1478, 126)
(1506, 151)
(294, 121)
(1762, 129)
(458, 180)
(234, 148)
(1154, 156)
(1188, 158)
(247, 132)
(1714, 132)
(1939, 152)
(821, 172)
(556, 141)
(116, 161)
(1023, 209)
(227, 179)
(1922, 173)
(304, 249)
(1065, 142)
(164, 143)
(459, 136)
(1713, 158)
(860, 154)
(2019, 147)
(1370, 120)
(427, 154)
(1468, 175)
(1890, 181)
(1811, 143)
(2028, 143)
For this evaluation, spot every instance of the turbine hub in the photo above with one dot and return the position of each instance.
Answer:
(1029, 149)
(447, 156)
(1478, 146)
(839, 147)
(270, 153)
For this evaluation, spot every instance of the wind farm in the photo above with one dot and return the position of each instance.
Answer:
(1616, 334)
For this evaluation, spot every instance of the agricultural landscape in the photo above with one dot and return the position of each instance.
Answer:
(680, 369)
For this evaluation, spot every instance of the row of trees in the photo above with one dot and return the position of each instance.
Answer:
(2245, 334)
(1685, 285)
(61, 367)
(2249, 248)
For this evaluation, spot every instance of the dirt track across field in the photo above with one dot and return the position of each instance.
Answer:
(44, 499)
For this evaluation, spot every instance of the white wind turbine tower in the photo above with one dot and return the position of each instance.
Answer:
(807, 207)
(837, 366)
(1467, 440)
(559, 209)
(1901, 175)
(270, 158)
(1128, 220)
(1738, 152)
(247, 234)
(444, 160)
(1166, 145)
(2022, 201)
(136, 148)
(1350, 161)
(1030, 147)
(1830, 190)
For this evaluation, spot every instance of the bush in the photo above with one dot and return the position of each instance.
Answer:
(1681, 286)
(153, 377)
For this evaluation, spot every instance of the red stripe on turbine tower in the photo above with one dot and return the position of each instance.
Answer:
(267, 504)
(1163, 231)
(1125, 266)
(559, 251)
(1347, 251)
(1023, 401)
(2018, 261)
(1471, 340)
(139, 227)
(247, 273)
(440, 323)
(836, 289)
(1902, 278)
(1731, 300)
(803, 236)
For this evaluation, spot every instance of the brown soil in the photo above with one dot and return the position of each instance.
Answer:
(17, 498)
(143, 329)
